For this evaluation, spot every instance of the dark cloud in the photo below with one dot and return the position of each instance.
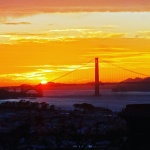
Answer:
(21, 8)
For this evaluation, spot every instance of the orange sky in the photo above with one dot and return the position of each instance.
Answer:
(34, 6)
(42, 40)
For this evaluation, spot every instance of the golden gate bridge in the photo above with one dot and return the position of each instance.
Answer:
(94, 71)
(85, 73)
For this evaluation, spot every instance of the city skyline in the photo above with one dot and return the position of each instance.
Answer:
(42, 40)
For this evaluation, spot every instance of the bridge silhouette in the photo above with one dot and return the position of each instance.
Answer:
(21, 91)
(116, 73)
(96, 71)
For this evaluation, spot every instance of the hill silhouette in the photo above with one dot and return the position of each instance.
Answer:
(133, 80)
(137, 84)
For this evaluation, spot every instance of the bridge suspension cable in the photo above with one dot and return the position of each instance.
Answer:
(129, 70)
(104, 61)
(71, 71)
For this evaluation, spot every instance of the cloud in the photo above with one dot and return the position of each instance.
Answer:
(110, 49)
(22, 8)
(109, 27)
(15, 23)
(23, 76)
(143, 34)
(42, 72)
(114, 35)
(26, 77)
(116, 54)
(59, 35)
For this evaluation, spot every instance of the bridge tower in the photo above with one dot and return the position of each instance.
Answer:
(96, 77)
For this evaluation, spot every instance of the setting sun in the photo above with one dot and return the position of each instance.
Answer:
(44, 82)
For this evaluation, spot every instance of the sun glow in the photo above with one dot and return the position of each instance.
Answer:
(44, 82)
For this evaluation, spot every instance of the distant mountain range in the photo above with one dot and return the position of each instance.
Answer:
(137, 84)
(129, 80)
(133, 80)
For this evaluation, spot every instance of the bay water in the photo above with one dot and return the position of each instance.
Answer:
(65, 99)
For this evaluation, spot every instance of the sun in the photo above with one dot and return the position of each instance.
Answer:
(44, 82)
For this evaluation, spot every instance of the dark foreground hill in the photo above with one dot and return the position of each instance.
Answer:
(32, 125)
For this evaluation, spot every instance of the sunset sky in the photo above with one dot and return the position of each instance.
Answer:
(43, 40)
